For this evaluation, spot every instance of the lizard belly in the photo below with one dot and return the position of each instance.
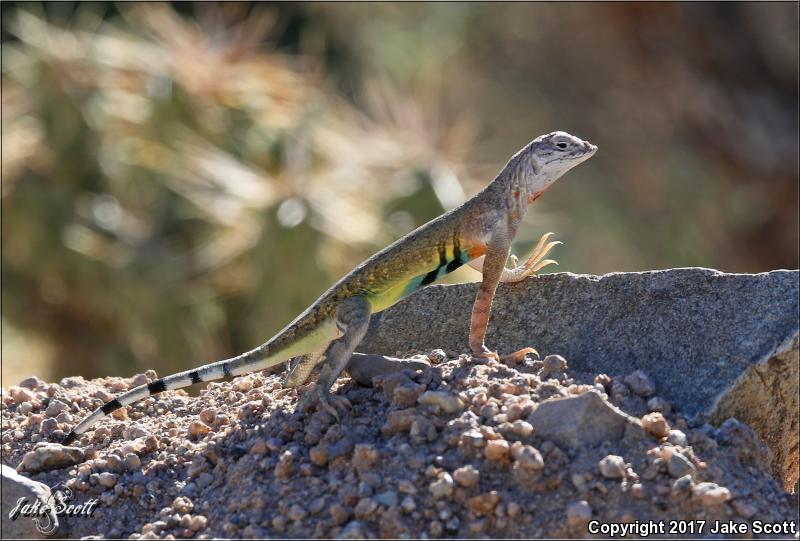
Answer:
(448, 262)
(383, 300)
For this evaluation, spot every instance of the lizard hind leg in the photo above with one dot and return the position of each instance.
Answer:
(302, 368)
(352, 317)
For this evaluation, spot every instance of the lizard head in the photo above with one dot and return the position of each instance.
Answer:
(554, 154)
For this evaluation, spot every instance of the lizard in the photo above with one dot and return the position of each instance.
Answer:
(478, 232)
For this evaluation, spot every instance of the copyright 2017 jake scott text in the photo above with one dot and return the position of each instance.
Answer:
(691, 527)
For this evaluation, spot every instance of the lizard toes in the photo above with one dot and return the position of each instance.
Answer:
(485, 353)
(519, 356)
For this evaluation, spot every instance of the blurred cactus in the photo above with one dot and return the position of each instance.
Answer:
(176, 193)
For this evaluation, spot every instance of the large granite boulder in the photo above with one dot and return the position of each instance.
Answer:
(717, 345)
(15, 525)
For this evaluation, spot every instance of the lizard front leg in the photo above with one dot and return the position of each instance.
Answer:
(535, 262)
(493, 264)
(352, 318)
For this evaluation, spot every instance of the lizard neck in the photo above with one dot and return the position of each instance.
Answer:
(519, 184)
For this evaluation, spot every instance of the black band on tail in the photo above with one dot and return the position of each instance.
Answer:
(71, 437)
(112, 405)
(158, 386)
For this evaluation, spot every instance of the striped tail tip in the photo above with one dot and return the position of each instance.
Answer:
(71, 438)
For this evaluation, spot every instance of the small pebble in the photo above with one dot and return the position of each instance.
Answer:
(139, 380)
(442, 487)
(579, 513)
(682, 485)
(612, 467)
(20, 394)
(198, 428)
(639, 384)
(710, 494)
(318, 455)
(553, 364)
(259, 447)
(603, 380)
(467, 476)
(446, 402)
(678, 465)
(339, 514)
(107, 479)
(208, 415)
(472, 439)
(678, 437)
(388, 498)
(284, 467)
(296, 513)
(408, 505)
(31, 382)
(522, 428)
(484, 504)
(365, 456)
(353, 530)
(406, 487)
(55, 407)
(656, 425)
(406, 395)
(527, 457)
(398, 421)
(132, 461)
(658, 404)
(497, 450)
(25, 408)
(365, 508)
(182, 505)
(198, 523)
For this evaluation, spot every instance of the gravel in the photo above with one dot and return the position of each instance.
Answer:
(464, 448)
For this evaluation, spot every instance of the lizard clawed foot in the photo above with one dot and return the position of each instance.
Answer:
(536, 261)
(324, 400)
(519, 356)
(484, 353)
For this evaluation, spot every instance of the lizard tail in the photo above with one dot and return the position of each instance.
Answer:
(257, 359)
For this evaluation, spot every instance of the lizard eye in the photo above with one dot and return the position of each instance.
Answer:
(562, 145)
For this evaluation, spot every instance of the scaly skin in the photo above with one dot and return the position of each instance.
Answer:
(478, 232)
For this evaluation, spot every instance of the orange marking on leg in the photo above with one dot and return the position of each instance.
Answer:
(476, 252)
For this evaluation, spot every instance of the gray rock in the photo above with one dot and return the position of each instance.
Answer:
(50, 456)
(16, 486)
(363, 368)
(678, 465)
(579, 421)
(388, 498)
(353, 530)
(712, 343)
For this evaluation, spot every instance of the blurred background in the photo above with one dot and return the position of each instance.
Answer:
(179, 181)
